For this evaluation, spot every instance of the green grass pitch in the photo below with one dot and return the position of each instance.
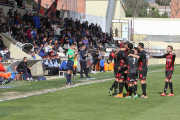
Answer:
(92, 101)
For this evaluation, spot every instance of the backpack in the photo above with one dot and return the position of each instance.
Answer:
(63, 65)
(41, 78)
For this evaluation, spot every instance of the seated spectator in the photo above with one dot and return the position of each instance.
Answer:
(41, 51)
(56, 46)
(48, 66)
(22, 67)
(5, 53)
(111, 66)
(102, 61)
(33, 55)
(85, 41)
(63, 66)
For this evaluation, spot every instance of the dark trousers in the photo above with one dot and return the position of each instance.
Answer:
(75, 71)
(101, 69)
(27, 72)
(53, 70)
(83, 68)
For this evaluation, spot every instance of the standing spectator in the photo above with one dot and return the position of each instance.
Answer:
(102, 61)
(116, 32)
(95, 55)
(29, 35)
(26, 17)
(83, 55)
(8, 20)
(41, 51)
(22, 67)
(1, 43)
(37, 21)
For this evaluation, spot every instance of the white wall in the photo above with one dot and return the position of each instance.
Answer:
(150, 27)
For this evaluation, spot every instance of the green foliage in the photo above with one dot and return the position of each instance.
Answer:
(142, 12)
(165, 15)
(154, 12)
(163, 2)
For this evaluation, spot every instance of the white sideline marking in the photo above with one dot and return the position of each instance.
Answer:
(71, 87)
(58, 89)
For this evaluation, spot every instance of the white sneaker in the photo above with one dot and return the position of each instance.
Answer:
(31, 79)
(27, 79)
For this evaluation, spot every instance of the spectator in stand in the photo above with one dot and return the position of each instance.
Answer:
(8, 20)
(10, 13)
(29, 35)
(26, 17)
(56, 46)
(34, 33)
(36, 20)
(5, 53)
(85, 41)
(41, 51)
(33, 55)
(48, 66)
(22, 67)
(121, 44)
(116, 32)
(1, 43)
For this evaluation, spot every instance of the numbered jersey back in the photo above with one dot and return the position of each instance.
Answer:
(131, 64)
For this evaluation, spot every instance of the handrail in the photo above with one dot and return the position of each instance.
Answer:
(14, 43)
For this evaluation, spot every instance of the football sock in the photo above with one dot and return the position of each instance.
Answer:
(70, 78)
(166, 86)
(116, 86)
(113, 85)
(135, 87)
(144, 89)
(171, 87)
(130, 92)
(126, 86)
(132, 89)
(120, 87)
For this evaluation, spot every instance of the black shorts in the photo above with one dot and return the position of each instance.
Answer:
(95, 62)
(131, 78)
(169, 74)
(70, 65)
(142, 74)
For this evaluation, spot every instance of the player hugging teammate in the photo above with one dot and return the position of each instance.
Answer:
(126, 65)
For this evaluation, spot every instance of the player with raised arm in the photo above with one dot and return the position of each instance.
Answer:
(142, 68)
(170, 58)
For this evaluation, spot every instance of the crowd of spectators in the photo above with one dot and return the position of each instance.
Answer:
(39, 31)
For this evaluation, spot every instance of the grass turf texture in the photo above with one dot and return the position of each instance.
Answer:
(92, 101)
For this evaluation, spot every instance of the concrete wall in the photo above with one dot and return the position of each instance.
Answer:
(23, 11)
(99, 8)
(165, 38)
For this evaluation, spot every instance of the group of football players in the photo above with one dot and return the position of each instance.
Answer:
(129, 63)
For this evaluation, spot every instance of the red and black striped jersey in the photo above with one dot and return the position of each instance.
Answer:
(142, 60)
(170, 58)
(122, 57)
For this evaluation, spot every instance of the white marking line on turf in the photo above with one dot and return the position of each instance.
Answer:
(59, 89)
(69, 87)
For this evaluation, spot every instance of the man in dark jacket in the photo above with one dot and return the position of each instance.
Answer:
(26, 17)
(83, 55)
(95, 55)
(22, 67)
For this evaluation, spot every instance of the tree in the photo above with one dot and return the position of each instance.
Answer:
(154, 12)
(163, 2)
(136, 8)
(175, 8)
(165, 15)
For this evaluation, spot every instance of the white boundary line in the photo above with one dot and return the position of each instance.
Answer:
(71, 87)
